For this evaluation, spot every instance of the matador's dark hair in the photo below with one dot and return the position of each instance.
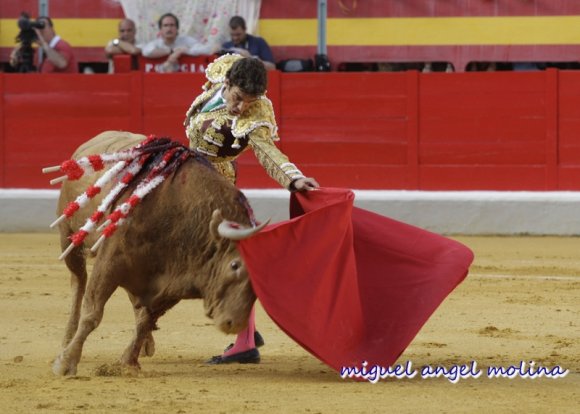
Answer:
(248, 74)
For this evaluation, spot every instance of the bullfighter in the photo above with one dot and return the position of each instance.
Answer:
(231, 115)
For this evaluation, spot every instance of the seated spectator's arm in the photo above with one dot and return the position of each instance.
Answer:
(129, 48)
(154, 50)
(269, 65)
(172, 62)
(195, 48)
(240, 51)
(122, 47)
(265, 55)
(111, 49)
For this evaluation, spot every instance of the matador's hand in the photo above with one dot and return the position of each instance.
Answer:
(305, 184)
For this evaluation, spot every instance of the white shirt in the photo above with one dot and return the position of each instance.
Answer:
(194, 48)
(216, 102)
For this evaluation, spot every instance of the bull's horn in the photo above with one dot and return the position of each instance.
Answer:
(231, 230)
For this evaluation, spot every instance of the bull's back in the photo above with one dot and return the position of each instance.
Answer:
(189, 196)
(105, 142)
(108, 141)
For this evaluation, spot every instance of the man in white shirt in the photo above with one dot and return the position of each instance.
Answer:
(125, 43)
(172, 45)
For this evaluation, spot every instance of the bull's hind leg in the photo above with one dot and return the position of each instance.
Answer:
(99, 290)
(76, 263)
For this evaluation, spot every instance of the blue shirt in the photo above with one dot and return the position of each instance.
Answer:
(256, 46)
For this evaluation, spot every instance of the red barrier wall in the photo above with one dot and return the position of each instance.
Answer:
(406, 130)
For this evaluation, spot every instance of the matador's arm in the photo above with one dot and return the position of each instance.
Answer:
(274, 161)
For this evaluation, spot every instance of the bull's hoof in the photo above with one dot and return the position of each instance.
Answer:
(148, 348)
(63, 367)
(251, 356)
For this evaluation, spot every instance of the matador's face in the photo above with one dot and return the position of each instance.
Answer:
(237, 102)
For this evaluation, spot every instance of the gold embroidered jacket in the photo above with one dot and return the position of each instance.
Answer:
(222, 137)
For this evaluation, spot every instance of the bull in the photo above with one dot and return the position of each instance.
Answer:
(176, 246)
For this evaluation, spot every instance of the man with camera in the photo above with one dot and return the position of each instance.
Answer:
(54, 54)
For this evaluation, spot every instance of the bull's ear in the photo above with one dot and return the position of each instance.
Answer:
(216, 219)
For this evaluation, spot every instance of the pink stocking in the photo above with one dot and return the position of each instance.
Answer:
(245, 339)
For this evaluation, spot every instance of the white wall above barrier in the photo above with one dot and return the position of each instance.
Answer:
(445, 212)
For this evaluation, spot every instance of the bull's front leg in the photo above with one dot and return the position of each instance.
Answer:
(148, 346)
(76, 263)
(146, 319)
(144, 324)
(98, 292)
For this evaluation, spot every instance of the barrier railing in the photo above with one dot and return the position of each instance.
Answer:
(190, 64)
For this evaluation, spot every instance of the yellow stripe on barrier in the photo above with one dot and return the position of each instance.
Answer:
(420, 31)
(78, 32)
(289, 32)
(455, 31)
(423, 31)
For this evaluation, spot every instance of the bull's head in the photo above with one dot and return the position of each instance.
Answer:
(229, 297)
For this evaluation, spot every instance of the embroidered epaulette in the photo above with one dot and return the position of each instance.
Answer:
(216, 70)
(260, 113)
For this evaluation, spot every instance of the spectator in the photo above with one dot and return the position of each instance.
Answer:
(55, 55)
(526, 66)
(437, 67)
(125, 43)
(172, 45)
(248, 45)
(481, 67)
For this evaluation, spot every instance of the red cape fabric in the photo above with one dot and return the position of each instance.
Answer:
(347, 284)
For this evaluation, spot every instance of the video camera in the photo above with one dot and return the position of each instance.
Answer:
(25, 37)
(27, 26)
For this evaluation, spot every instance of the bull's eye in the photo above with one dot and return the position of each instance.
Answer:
(235, 265)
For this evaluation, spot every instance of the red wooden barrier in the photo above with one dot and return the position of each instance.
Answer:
(123, 63)
(568, 130)
(436, 131)
(347, 130)
(483, 132)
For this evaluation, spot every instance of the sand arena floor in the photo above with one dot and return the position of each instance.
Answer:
(520, 302)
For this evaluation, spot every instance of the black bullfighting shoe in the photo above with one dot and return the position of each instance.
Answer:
(258, 340)
(251, 356)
